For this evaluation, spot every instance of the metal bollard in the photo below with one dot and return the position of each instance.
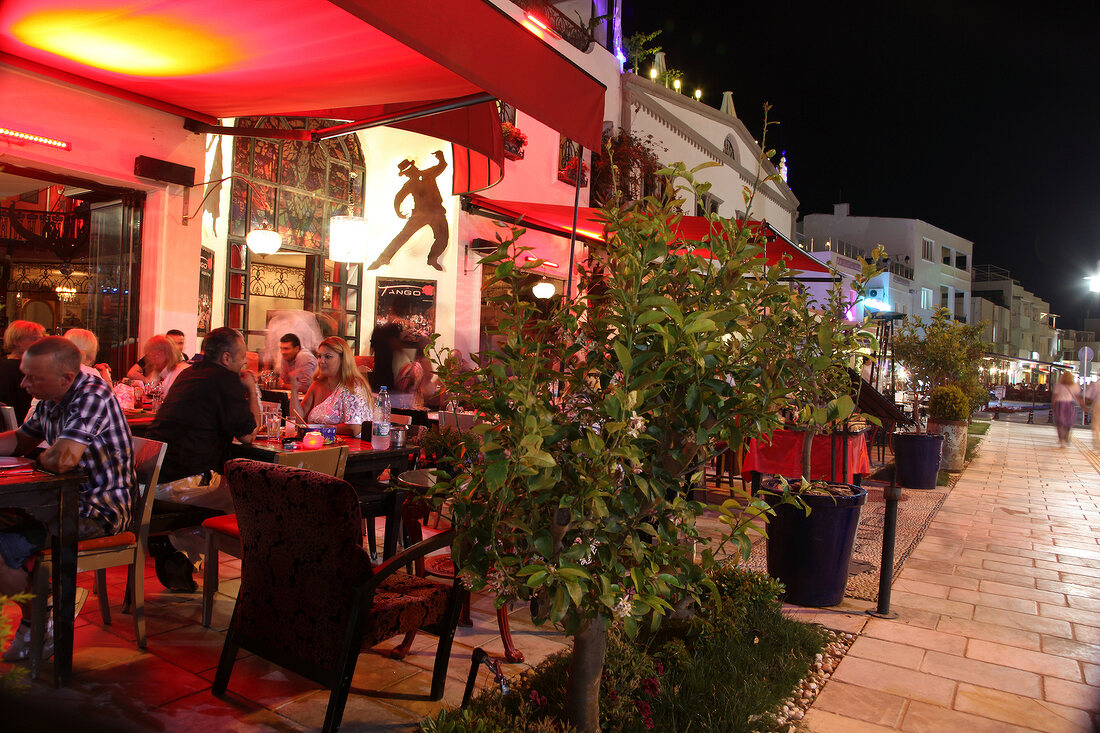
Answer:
(889, 534)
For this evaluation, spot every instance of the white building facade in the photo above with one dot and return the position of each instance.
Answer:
(929, 267)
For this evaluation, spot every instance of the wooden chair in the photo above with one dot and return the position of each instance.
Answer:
(126, 548)
(309, 600)
(222, 534)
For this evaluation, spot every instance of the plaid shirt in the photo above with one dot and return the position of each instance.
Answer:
(90, 415)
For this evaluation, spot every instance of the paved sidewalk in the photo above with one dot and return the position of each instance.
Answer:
(998, 607)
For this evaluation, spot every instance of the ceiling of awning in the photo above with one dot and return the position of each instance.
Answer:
(340, 59)
(558, 219)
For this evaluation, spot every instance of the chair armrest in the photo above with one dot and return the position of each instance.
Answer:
(405, 557)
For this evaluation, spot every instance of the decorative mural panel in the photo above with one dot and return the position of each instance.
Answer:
(339, 182)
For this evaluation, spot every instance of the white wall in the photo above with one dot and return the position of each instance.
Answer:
(106, 135)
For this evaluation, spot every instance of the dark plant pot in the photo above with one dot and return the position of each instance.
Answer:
(954, 432)
(810, 554)
(917, 459)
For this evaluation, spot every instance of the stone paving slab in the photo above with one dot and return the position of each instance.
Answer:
(998, 607)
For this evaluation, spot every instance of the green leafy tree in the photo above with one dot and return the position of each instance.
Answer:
(637, 49)
(577, 506)
(940, 352)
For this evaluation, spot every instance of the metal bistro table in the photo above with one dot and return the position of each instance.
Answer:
(364, 466)
(48, 497)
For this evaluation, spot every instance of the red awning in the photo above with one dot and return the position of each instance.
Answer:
(558, 219)
(341, 59)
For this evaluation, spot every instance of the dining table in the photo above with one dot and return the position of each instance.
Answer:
(365, 465)
(52, 499)
(781, 454)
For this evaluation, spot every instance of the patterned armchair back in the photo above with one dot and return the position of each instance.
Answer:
(302, 557)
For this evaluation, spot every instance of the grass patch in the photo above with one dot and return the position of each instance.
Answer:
(943, 478)
(726, 669)
(978, 428)
(972, 443)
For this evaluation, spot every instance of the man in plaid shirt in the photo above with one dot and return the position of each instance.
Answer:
(82, 423)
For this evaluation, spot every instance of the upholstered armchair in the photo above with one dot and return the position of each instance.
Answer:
(309, 599)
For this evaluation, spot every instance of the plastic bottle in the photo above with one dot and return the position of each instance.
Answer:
(380, 438)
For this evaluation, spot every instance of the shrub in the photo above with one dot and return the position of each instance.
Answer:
(948, 403)
(723, 669)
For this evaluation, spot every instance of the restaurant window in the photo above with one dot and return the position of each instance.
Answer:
(297, 186)
(71, 258)
(927, 247)
(507, 112)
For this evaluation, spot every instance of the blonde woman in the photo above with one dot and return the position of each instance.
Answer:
(164, 362)
(338, 395)
(88, 344)
(17, 337)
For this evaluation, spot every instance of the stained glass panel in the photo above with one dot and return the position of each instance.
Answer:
(242, 149)
(299, 219)
(263, 208)
(339, 182)
(318, 165)
(335, 149)
(264, 158)
(355, 150)
(238, 206)
(294, 164)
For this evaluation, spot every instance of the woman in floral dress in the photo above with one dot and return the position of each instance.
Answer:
(339, 394)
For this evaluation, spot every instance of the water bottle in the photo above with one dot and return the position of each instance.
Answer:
(380, 437)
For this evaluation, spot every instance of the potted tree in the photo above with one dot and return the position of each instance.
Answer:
(949, 416)
(934, 354)
(810, 538)
(578, 505)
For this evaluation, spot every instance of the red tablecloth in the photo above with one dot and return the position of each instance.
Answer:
(783, 456)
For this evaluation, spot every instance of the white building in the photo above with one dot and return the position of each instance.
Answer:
(939, 260)
(687, 131)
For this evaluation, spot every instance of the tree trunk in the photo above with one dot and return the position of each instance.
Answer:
(582, 691)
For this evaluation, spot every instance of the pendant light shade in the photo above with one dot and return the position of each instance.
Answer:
(263, 241)
(544, 290)
(347, 239)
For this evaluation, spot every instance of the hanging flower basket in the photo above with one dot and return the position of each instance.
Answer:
(568, 174)
(514, 141)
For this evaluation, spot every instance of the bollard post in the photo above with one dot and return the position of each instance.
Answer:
(889, 533)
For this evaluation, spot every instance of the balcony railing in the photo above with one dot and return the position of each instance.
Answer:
(558, 22)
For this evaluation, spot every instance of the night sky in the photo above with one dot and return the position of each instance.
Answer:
(981, 118)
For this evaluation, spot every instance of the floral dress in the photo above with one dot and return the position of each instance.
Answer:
(342, 406)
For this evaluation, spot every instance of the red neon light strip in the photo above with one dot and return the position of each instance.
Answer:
(541, 25)
(28, 137)
(547, 263)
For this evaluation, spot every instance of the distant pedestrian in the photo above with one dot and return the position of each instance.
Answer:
(1064, 400)
(1092, 397)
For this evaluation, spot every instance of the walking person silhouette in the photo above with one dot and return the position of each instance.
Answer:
(427, 211)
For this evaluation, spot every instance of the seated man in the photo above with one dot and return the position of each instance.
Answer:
(140, 370)
(210, 404)
(82, 422)
(298, 365)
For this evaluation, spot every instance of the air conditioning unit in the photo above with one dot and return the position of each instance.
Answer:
(874, 293)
